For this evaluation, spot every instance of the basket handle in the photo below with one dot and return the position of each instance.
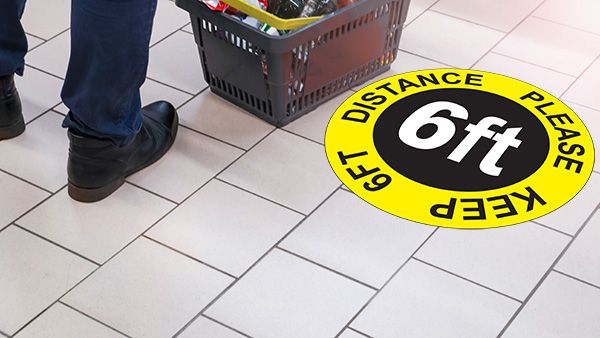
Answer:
(268, 18)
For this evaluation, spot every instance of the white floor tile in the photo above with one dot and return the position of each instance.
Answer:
(582, 14)
(350, 236)
(585, 89)
(176, 62)
(286, 169)
(570, 217)
(168, 19)
(38, 91)
(188, 28)
(553, 82)
(61, 108)
(417, 7)
(561, 307)
(192, 161)
(510, 260)
(422, 301)
(405, 62)
(591, 119)
(147, 290)
(89, 229)
(448, 40)
(583, 257)
(203, 327)
(351, 334)
(314, 124)
(33, 42)
(551, 45)
(40, 154)
(34, 274)
(60, 321)
(285, 296)
(501, 15)
(216, 117)
(152, 91)
(225, 227)
(46, 18)
(16, 198)
(53, 56)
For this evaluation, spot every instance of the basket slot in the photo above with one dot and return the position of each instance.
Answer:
(230, 38)
(241, 95)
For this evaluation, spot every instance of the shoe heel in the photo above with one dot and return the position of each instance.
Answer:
(13, 130)
(87, 195)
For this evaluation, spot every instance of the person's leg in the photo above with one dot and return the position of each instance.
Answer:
(13, 43)
(110, 135)
(13, 46)
(109, 57)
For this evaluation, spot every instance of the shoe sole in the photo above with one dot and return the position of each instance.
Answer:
(90, 195)
(13, 130)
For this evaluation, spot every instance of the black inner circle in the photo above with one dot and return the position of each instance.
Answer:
(433, 168)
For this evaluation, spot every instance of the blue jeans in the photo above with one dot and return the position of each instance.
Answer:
(107, 67)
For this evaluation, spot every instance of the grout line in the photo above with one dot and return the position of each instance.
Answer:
(202, 312)
(328, 268)
(261, 197)
(56, 301)
(92, 318)
(301, 136)
(426, 58)
(150, 192)
(407, 23)
(38, 117)
(466, 279)
(577, 279)
(59, 113)
(578, 77)
(507, 34)
(58, 34)
(45, 40)
(170, 34)
(193, 96)
(386, 283)
(355, 330)
(467, 20)
(564, 25)
(579, 104)
(55, 244)
(225, 325)
(36, 36)
(532, 64)
(43, 71)
(188, 256)
(24, 180)
(37, 205)
(170, 86)
(543, 279)
(147, 79)
(211, 137)
(550, 228)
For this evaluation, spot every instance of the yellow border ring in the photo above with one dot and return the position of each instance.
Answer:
(352, 153)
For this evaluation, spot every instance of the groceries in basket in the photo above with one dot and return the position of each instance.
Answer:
(292, 10)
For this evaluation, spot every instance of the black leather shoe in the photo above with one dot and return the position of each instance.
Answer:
(97, 168)
(11, 116)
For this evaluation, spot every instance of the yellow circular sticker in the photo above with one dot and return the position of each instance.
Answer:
(459, 148)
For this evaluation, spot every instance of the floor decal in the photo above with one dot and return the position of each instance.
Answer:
(459, 148)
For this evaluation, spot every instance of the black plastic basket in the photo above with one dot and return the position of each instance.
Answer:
(280, 78)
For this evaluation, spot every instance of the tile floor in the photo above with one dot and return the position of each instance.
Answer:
(228, 236)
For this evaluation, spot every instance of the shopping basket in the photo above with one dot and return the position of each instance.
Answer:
(280, 78)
